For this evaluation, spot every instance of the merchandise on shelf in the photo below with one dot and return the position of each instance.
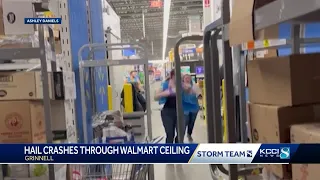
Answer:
(12, 17)
(282, 94)
(28, 41)
(290, 80)
(271, 124)
(13, 85)
(242, 21)
(23, 122)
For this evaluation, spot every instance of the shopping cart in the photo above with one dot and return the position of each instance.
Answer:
(108, 131)
(116, 171)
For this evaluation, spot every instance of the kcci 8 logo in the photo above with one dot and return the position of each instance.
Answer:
(282, 153)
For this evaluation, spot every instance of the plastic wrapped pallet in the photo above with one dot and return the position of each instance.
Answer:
(104, 119)
(24, 41)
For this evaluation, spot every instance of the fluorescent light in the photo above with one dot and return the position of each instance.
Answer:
(166, 17)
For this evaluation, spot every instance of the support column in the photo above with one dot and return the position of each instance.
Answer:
(207, 17)
(78, 37)
(95, 7)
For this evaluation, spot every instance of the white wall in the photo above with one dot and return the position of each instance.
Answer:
(112, 20)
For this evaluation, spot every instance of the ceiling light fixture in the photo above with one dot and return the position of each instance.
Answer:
(166, 17)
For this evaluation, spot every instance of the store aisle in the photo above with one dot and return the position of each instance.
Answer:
(178, 172)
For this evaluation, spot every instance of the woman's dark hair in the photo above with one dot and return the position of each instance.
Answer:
(172, 73)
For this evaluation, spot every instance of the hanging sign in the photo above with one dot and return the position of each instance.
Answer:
(206, 3)
(199, 70)
(188, 51)
(155, 3)
(185, 70)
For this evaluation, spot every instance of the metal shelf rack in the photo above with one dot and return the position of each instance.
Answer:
(39, 52)
(279, 11)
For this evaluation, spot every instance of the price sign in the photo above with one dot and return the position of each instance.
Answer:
(266, 43)
(189, 51)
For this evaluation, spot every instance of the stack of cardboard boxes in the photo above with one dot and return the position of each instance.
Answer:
(283, 91)
(21, 106)
(22, 111)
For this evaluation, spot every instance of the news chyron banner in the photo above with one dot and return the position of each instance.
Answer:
(159, 153)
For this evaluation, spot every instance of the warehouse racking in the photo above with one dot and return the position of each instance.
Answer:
(72, 38)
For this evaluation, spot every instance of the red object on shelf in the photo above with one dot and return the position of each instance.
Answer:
(156, 3)
(206, 3)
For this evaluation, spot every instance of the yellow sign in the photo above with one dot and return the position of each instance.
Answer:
(48, 14)
(171, 56)
(266, 43)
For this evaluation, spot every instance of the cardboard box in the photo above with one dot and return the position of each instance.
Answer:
(14, 13)
(22, 122)
(286, 81)
(241, 21)
(21, 85)
(271, 124)
(305, 133)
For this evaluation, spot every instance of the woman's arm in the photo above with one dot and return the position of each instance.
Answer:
(160, 94)
(164, 91)
(196, 90)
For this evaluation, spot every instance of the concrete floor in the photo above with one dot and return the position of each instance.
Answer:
(183, 172)
(178, 172)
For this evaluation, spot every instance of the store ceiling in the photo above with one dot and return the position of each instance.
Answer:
(131, 13)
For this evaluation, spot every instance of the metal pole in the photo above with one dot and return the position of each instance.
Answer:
(143, 25)
(46, 95)
(302, 36)
(295, 36)
(152, 50)
(242, 99)
(215, 84)
(180, 114)
(91, 57)
(149, 124)
(228, 75)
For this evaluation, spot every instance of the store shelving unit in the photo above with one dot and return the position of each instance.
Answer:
(62, 9)
(38, 52)
(279, 11)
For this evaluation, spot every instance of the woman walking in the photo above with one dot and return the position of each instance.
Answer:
(191, 105)
(167, 96)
